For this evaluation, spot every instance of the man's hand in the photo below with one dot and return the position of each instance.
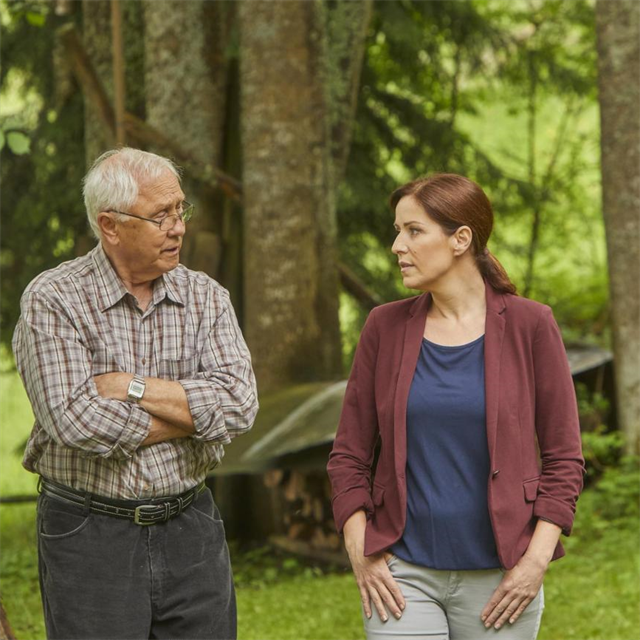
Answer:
(161, 431)
(113, 385)
(519, 586)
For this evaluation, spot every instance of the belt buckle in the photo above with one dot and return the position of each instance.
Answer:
(141, 508)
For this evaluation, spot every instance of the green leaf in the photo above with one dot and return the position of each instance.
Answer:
(1, 139)
(18, 142)
(36, 19)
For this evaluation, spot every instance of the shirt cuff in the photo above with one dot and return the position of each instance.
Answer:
(204, 407)
(133, 433)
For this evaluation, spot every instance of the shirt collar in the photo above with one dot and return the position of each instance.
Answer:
(172, 291)
(111, 289)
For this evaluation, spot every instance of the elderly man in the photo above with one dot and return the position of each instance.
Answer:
(138, 375)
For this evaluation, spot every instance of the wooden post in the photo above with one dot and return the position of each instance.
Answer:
(118, 71)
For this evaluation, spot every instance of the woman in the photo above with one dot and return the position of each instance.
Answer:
(469, 391)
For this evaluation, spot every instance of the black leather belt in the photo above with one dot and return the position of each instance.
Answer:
(142, 512)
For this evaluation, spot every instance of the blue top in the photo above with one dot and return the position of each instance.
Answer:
(448, 524)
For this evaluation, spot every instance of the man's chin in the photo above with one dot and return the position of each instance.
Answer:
(168, 261)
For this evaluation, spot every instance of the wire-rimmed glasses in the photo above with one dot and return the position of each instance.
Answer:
(168, 222)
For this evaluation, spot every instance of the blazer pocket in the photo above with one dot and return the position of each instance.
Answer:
(531, 489)
(378, 495)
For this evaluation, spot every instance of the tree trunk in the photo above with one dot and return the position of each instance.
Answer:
(96, 17)
(618, 32)
(97, 39)
(185, 73)
(347, 24)
(291, 279)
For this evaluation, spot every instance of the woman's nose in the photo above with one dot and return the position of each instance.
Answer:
(398, 246)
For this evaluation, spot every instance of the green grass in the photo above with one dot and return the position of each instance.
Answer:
(591, 594)
(16, 421)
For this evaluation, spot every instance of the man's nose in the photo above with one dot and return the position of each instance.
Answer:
(179, 228)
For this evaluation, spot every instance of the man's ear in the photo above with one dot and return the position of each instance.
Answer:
(462, 239)
(108, 228)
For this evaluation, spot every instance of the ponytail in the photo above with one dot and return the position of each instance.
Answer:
(494, 273)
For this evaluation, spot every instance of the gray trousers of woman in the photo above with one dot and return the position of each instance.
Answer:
(446, 605)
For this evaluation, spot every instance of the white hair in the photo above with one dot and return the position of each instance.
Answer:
(114, 180)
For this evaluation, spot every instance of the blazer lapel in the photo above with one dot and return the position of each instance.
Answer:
(414, 331)
(493, 338)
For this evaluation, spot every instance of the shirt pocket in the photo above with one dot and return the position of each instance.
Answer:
(178, 368)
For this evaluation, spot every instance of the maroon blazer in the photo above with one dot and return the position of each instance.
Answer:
(531, 415)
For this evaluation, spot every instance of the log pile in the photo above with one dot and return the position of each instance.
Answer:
(307, 517)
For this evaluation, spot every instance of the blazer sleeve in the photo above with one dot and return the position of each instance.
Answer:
(351, 458)
(557, 427)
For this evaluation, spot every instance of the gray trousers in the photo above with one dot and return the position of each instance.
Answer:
(103, 577)
(446, 605)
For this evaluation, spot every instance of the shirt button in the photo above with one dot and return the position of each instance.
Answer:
(495, 473)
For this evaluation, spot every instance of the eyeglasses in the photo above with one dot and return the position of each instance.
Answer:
(168, 222)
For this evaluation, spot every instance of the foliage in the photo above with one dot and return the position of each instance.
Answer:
(483, 89)
(614, 501)
(259, 567)
(42, 213)
(602, 449)
(446, 86)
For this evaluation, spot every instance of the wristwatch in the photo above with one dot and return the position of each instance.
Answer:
(136, 388)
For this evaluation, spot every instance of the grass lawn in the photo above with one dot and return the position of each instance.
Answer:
(593, 593)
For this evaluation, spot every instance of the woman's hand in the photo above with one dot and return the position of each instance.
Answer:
(377, 585)
(375, 582)
(518, 587)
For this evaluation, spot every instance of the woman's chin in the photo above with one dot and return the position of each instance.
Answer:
(411, 282)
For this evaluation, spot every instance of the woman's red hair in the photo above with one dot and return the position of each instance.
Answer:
(452, 201)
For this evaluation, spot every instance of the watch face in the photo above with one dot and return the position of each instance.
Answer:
(136, 389)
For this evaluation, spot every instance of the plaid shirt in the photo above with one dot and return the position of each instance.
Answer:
(78, 321)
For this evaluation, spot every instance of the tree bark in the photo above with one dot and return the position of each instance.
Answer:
(291, 278)
(347, 24)
(96, 17)
(185, 73)
(618, 33)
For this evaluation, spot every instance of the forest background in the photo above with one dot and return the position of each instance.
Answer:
(294, 121)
